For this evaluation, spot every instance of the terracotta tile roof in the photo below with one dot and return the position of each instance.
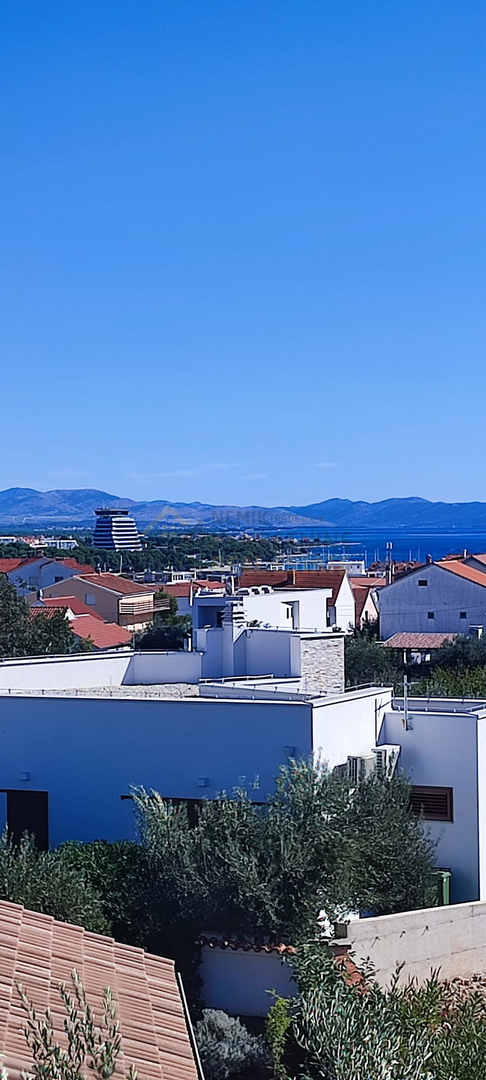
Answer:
(118, 584)
(104, 635)
(183, 588)
(480, 558)
(418, 641)
(46, 613)
(40, 952)
(367, 582)
(77, 607)
(295, 579)
(361, 592)
(468, 572)
(80, 568)
(247, 946)
(7, 565)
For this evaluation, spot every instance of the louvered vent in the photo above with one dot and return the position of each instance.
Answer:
(433, 803)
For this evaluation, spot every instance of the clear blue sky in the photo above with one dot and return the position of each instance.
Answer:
(243, 248)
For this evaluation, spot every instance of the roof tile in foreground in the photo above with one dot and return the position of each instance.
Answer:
(39, 952)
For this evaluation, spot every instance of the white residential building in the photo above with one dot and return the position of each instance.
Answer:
(442, 597)
(99, 724)
(41, 572)
(443, 753)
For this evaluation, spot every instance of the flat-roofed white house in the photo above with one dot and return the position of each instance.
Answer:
(77, 732)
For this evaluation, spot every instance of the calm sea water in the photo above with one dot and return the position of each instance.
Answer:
(372, 544)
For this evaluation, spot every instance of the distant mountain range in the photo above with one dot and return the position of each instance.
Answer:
(64, 509)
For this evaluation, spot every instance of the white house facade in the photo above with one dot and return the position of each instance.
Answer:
(438, 598)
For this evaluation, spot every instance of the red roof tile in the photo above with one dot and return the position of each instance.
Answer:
(103, 635)
(77, 607)
(468, 572)
(247, 946)
(417, 641)
(7, 565)
(118, 584)
(183, 588)
(38, 952)
(295, 579)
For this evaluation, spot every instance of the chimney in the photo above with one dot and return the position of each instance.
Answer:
(429, 560)
(233, 622)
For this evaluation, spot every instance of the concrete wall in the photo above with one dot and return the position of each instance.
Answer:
(239, 981)
(65, 672)
(97, 670)
(348, 724)
(322, 664)
(440, 748)
(87, 752)
(404, 604)
(452, 939)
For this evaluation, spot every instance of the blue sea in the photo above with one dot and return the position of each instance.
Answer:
(372, 544)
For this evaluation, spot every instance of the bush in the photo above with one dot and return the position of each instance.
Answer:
(45, 881)
(360, 1031)
(227, 1049)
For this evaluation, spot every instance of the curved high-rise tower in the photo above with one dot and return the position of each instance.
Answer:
(115, 530)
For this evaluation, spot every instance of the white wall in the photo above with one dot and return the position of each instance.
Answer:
(271, 652)
(239, 981)
(148, 668)
(481, 735)
(87, 752)
(65, 672)
(271, 608)
(404, 604)
(441, 749)
(345, 609)
(97, 670)
(348, 724)
(452, 939)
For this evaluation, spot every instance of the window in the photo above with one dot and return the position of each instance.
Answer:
(463, 614)
(422, 581)
(434, 803)
(90, 598)
(56, 579)
(27, 811)
(431, 614)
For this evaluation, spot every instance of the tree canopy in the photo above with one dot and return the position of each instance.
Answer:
(22, 634)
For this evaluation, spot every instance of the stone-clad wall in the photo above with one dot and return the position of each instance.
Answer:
(322, 664)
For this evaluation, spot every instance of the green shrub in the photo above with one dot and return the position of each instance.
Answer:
(45, 881)
(227, 1049)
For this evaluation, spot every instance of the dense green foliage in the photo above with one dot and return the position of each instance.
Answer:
(23, 635)
(457, 669)
(47, 881)
(228, 1050)
(182, 551)
(170, 630)
(359, 1031)
(317, 845)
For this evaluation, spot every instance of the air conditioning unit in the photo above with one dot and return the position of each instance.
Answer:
(386, 759)
(359, 768)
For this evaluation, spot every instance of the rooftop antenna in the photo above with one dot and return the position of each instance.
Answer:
(406, 717)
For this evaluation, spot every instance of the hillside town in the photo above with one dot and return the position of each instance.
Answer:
(198, 684)
(242, 562)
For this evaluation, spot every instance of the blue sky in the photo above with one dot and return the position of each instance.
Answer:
(243, 248)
